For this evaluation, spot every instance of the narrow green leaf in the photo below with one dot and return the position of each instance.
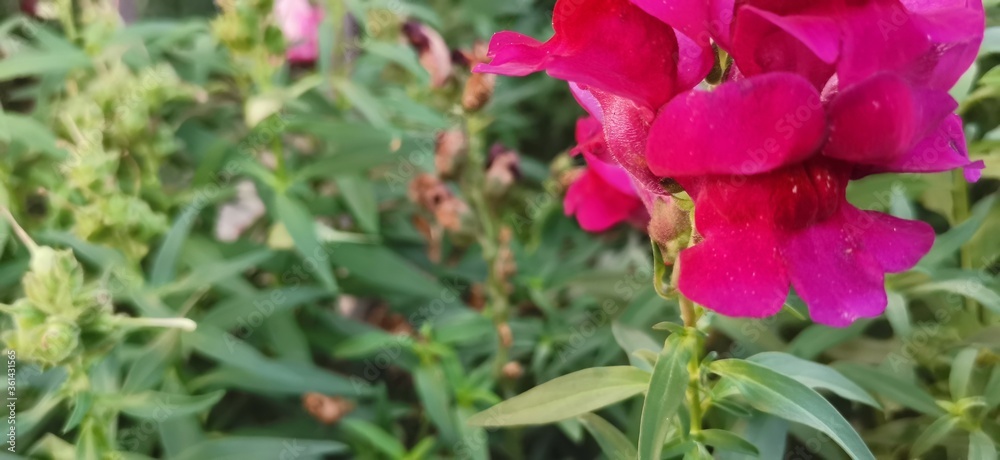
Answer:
(40, 62)
(244, 447)
(374, 436)
(359, 195)
(933, 435)
(81, 406)
(991, 393)
(165, 260)
(903, 392)
(961, 372)
(816, 339)
(666, 393)
(815, 376)
(898, 315)
(566, 397)
(981, 447)
(726, 440)
(433, 390)
(777, 394)
(946, 245)
(614, 443)
(632, 340)
(161, 406)
(302, 227)
(29, 132)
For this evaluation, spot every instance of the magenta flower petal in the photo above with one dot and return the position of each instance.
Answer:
(736, 269)
(767, 42)
(736, 273)
(878, 120)
(611, 45)
(955, 29)
(746, 127)
(598, 206)
(833, 274)
(897, 244)
(838, 266)
(943, 149)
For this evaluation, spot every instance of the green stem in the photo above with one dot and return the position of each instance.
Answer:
(960, 212)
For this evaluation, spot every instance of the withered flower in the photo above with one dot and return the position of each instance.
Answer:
(432, 50)
(450, 151)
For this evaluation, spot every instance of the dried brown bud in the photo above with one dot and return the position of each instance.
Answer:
(435, 197)
(326, 409)
(506, 336)
(513, 370)
(432, 50)
(478, 91)
(450, 151)
(477, 297)
(502, 170)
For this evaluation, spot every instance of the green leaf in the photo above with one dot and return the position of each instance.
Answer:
(991, 393)
(302, 227)
(961, 371)
(210, 274)
(898, 315)
(903, 392)
(432, 389)
(374, 436)
(29, 132)
(933, 435)
(981, 447)
(726, 440)
(777, 394)
(971, 288)
(632, 340)
(614, 443)
(367, 263)
(815, 376)
(362, 100)
(566, 397)
(245, 312)
(155, 405)
(81, 406)
(251, 370)
(243, 448)
(816, 339)
(165, 260)
(40, 62)
(359, 195)
(666, 393)
(946, 245)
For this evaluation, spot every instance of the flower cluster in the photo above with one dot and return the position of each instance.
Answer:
(811, 96)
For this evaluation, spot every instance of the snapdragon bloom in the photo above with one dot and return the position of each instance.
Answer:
(299, 21)
(603, 195)
(820, 93)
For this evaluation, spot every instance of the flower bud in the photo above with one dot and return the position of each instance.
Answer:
(512, 370)
(53, 280)
(57, 341)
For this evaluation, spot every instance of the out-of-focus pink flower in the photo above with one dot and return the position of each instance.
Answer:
(930, 42)
(299, 21)
(603, 195)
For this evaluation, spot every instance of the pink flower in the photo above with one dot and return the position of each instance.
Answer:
(930, 42)
(767, 163)
(822, 92)
(603, 196)
(299, 21)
